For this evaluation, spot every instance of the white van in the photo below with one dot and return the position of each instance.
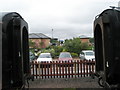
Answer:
(87, 55)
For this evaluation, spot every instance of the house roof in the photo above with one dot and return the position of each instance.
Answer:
(38, 36)
(84, 37)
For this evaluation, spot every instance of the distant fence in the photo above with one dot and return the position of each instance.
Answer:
(63, 69)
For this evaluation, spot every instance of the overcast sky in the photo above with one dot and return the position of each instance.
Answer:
(67, 18)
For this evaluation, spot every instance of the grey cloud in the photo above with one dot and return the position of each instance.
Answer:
(68, 18)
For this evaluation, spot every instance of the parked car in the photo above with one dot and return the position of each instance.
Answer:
(65, 56)
(44, 57)
(32, 56)
(87, 55)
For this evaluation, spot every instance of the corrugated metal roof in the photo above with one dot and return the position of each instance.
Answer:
(83, 36)
(38, 35)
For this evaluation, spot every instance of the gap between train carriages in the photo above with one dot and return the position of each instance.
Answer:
(62, 69)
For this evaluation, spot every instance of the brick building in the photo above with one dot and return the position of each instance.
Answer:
(40, 40)
(84, 39)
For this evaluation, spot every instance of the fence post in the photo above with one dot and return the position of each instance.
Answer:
(56, 68)
(72, 68)
(63, 68)
(41, 66)
(78, 62)
(87, 67)
(84, 62)
(51, 68)
(48, 66)
(81, 67)
(92, 66)
(36, 66)
(39, 69)
(59, 68)
(69, 63)
(75, 68)
(90, 69)
(45, 68)
(66, 64)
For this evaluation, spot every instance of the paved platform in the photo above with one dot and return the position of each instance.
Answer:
(83, 82)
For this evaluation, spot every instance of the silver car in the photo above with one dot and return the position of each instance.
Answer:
(87, 55)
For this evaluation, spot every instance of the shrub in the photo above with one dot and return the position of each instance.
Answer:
(74, 55)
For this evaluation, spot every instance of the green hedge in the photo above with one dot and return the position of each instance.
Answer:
(74, 55)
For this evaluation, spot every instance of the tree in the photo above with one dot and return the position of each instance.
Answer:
(91, 40)
(85, 46)
(32, 44)
(73, 45)
(58, 49)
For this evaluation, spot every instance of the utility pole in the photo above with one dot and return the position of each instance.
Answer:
(52, 33)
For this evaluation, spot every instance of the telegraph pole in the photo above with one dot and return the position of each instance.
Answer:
(52, 33)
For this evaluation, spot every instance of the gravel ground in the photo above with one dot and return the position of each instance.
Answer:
(83, 82)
